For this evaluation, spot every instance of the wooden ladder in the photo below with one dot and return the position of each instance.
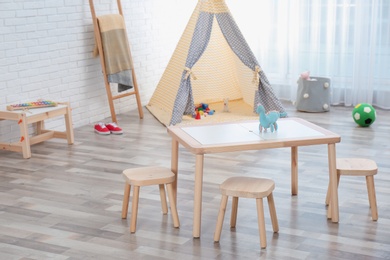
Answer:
(110, 95)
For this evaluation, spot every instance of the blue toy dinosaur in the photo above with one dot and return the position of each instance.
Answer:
(267, 120)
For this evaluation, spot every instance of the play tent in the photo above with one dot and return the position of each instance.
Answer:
(211, 62)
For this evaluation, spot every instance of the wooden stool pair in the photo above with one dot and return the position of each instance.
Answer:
(236, 187)
(260, 188)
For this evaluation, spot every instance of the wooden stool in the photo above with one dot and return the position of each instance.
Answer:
(358, 167)
(247, 187)
(138, 177)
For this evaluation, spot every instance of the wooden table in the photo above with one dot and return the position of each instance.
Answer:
(37, 115)
(241, 136)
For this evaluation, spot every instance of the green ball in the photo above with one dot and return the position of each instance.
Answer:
(364, 114)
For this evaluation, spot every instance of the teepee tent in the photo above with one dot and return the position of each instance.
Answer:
(211, 62)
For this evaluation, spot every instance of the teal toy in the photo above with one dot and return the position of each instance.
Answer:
(267, 120)
(364, 114)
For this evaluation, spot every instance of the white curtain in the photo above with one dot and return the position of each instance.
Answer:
(345, 40)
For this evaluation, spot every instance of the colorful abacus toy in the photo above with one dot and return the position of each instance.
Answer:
(30, 105)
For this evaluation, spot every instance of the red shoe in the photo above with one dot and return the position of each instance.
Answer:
(114, 129)
(101, 129)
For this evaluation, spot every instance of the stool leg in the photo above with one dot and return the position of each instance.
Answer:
(172, 204)
(126, 196)
(261, 223)
(372, 197)
(134, 209)
(328, 193)
(327, 199)
(233, 217)
(272, 212)
(163, 198)
(221, 215)
(329, 212)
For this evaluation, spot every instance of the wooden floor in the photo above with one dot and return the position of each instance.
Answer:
(65, 201)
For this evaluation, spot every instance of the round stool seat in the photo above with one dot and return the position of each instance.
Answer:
(247, 187)
(356, 166)
(145, 176)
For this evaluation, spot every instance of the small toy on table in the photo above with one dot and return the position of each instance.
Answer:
(29, 105)
(267, 120)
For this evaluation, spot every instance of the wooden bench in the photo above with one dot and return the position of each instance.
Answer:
(37, 115)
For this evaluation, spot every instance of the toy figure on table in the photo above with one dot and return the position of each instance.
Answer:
(267, 120)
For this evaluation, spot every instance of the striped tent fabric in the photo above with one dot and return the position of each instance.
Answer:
(212, 62)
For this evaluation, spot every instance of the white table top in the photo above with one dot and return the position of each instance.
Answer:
(248, 132)
(245, 135)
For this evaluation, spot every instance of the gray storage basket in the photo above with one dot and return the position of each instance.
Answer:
(313, 95)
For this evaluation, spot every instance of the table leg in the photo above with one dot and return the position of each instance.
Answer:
(24, 137)
(69, 125)
(294, 170)
(175, 166)
(334, 199)
(198, 195)
(40, 127)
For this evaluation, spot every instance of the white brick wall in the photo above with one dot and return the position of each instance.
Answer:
(46, 52)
